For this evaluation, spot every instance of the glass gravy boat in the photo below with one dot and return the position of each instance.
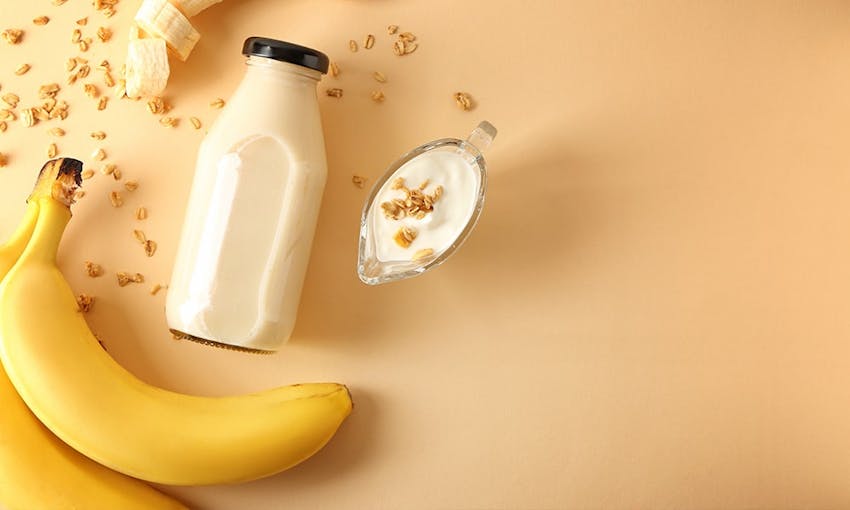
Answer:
(374, 271)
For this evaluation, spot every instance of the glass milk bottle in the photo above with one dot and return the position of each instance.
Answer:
(253, 206)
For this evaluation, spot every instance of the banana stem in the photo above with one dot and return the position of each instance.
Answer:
(58, 179)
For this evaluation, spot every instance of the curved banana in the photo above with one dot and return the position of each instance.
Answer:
(37, 470)
(81, 394)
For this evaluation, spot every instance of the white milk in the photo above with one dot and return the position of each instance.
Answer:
(252, 212)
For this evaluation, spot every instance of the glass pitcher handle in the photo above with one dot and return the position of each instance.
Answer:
(482, 136)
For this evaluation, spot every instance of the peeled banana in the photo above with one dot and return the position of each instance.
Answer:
(37, 470)
(161, 19)
(168, 22)
(147, 68)
(192, 7)
(93, 404)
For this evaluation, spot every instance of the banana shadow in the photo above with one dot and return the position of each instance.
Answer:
(348, 450)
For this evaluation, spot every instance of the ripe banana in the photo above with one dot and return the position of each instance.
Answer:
(37, 470)
(160, 18)
(81, 394)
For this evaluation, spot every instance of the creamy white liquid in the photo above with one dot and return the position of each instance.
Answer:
(439, 229)
(252, 213)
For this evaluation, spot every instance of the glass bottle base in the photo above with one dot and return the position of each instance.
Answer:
(179, 335)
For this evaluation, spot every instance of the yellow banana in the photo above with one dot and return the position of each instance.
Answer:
(37, 470)
(81, 394)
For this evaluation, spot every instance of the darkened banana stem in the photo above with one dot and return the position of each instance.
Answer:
(59, 179)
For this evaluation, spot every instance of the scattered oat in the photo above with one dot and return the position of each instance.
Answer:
(90, 90)
(57, 131)
(76, 36)
(141, 213)
(125, 279)
(4, 160)
(41, 20)
(83, 71)
(398, 47)
(407, 37)
(84, 45)
(416, 203)
(169, 121)
(93, 270)
(8, 115)
(334, 69)
(156, 105)
(48, 90)
(358, 181)
(83, 21)
(392, 29)
(104, 34)
(150, 248)
(41, 113)
(156, 288)
(378, 96)
(352, 45)
(196, 122)
(22, 69)
(70, 64)
(99, 155)
(217, 103)
(79, 194)
(140, 236)
(104, 66)
(379, 77)
(28, 117)
(369, 42)
(421, 254)
(115, 198)
(108, 79)
(335, 92)
(131, 185)
(98, 135)
(116, 174)
(71, 79)
(101, 103)
(59, 2)
(11, 100)
(463, 100)
(405, 236)
(108, 169)
(52, 151)
(13, 35)
(121, 89)
(85, 303)
(88, 174)
(3, 126)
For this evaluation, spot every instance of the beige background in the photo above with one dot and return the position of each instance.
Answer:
(654, 311)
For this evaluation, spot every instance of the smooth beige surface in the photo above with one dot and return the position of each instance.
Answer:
(654, 311)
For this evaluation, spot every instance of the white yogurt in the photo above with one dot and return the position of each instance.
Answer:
(440, 228)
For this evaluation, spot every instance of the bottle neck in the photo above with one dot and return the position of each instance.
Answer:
(282, 69)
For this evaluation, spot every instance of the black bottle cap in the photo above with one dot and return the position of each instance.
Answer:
(286, 52)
